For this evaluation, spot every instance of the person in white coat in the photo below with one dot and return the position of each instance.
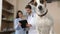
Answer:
(31, 14)
(44, 27)
(17, 25)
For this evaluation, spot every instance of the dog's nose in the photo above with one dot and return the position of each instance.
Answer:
(40, 8)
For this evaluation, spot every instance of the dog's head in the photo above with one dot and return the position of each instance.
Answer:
(40, 6)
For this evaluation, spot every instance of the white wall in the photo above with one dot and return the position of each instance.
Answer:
(54, 10)
(22, 3)
(0, 12)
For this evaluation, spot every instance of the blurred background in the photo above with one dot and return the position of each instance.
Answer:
(10, 8)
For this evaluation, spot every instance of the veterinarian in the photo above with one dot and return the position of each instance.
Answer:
(29, 19)
(17, 25)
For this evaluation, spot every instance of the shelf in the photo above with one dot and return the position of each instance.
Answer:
(4, 19)
(7, 10)
(7, 16)
(7, 31)
(6, 2)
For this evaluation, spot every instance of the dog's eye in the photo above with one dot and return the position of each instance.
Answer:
(35, 4)
(41, 1)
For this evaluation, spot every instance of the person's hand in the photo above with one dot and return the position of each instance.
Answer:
(19, 24)
(28, 25)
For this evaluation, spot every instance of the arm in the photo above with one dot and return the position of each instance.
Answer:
(16, 25)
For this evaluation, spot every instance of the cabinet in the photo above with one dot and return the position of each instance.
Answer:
(7, 16)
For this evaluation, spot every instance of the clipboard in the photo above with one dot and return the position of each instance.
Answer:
(23, 22)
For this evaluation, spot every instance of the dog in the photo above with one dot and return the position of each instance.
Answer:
(43, 24)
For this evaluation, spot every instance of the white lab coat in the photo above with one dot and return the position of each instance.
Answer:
(32, 30)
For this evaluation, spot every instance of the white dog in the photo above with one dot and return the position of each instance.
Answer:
(42, 24)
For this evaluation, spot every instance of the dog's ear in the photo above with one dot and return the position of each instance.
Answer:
(35, 4)
(41, 1)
